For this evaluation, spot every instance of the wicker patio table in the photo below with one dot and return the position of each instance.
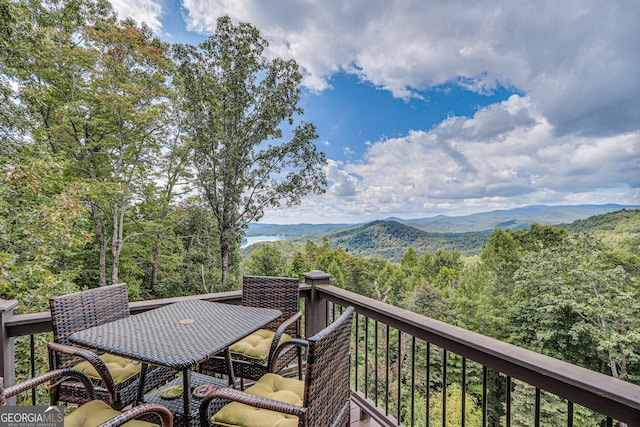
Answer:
(178, 336)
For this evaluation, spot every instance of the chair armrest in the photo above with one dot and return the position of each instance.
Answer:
(93, 359)
(278, 335)
(294, 342)
(49, 376)
(163, 413)
(251, 400)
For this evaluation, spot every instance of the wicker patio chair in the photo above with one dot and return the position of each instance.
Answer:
(75, 312)
(255, 355)
(92, 412)
(322, 399)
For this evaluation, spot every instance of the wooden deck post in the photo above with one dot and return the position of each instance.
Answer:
(315, 318)
(7, 357)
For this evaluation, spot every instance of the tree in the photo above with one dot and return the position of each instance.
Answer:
(41, 229)
(267, 260)
(573, 304)
(237, 103)
(93, 89)
(299, 265)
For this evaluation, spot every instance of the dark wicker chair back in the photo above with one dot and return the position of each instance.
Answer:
(327, 390)
(282, 293)
(81, 310)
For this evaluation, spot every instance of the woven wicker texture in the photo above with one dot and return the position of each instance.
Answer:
(326, 392)
(161, 414)
(176, 405)
(178, 335)
(282, 293)
(79, 311)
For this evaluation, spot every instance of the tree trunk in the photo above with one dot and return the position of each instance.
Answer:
(117, 240)
(155, 267)
(224, 260)
(102, 245)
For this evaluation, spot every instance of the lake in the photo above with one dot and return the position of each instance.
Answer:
(250, 240)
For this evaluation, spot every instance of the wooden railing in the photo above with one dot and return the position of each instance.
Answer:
(401, 361)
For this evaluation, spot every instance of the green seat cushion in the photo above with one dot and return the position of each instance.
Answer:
(289, 390)
(257, 345)
(121, 368)
(95, 413)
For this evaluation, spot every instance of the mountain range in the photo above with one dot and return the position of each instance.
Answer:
(485, 221)
(390, 238)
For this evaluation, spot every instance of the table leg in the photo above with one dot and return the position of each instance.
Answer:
(228, 360)
(186, 395)
(143, 377)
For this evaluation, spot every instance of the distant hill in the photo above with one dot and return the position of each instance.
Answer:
(486, 221)
(293, 230)
(389, 239)
(513, 219)
(612, 227)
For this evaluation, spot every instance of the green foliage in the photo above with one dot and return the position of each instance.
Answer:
(235, 101)
(573, 304)
(41, 220)
(93, 90)
(266, 261)
(473, 413)
(299, 265)
(390, 240)
(553, 410)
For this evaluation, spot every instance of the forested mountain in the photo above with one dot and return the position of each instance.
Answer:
(390, 240)
(513, 219)
(610, 227)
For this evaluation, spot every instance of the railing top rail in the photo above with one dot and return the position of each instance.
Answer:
(607, 395)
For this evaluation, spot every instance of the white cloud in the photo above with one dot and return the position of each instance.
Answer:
(148, 11)
(577, 60)
(573, 137)
(518, 161)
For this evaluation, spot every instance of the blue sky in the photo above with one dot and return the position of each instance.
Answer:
(426, 108)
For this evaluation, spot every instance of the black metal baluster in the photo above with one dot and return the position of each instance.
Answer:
(444, 387)
(413, 380)
(32, 342)
(536, 421)
(356, 351)
(508, 401)
(464, 390)
(399, 374)
(376, 363)
(366, 357)
(386, 396)
(484, 396)
(427, 391)
(569, 413)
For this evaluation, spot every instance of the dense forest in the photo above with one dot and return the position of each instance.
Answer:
(107, 175)
(570, 292)
(120, 154)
